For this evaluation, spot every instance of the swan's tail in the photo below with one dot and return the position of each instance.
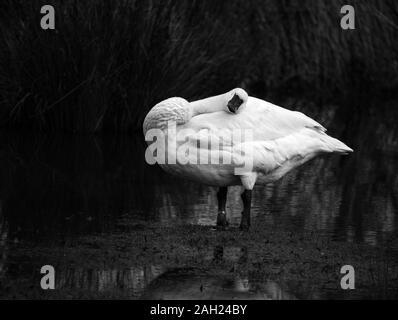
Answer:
(335, 145)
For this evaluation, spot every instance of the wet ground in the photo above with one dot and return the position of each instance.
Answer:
(114, 227)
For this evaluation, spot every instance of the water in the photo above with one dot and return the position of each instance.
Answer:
(95, 210)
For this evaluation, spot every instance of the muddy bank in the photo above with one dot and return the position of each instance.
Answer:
(141, 260)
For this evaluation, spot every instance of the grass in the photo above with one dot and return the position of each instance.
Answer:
(108, 63)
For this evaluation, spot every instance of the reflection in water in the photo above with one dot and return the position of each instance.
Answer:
(126, 282)
(55, 188)
(158, 282)
(188, 285)
(202, 284)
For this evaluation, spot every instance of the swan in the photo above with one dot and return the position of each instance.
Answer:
(232, 139)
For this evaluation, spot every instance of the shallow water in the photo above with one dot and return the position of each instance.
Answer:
(54, 190)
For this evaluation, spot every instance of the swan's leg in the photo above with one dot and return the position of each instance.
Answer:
(222, 200)
(247, 200)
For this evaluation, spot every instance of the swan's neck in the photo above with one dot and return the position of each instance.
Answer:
(181, 111)
(208, 105)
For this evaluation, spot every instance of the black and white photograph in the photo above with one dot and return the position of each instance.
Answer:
(169, 150)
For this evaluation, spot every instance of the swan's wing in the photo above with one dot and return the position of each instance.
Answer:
(265, 120)
(274, 158)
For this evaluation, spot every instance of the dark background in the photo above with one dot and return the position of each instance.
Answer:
(108, 62)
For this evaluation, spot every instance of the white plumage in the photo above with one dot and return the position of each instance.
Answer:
(280, 139)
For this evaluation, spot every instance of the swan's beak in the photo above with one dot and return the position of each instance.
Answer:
(234, 104)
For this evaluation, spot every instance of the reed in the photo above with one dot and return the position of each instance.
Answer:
(107, 63)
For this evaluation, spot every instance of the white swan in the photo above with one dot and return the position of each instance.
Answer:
(233, 139)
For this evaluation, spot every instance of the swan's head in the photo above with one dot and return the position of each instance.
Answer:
(236, 100)
(173, 109)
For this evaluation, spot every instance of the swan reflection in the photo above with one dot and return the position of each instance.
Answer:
(206, 283)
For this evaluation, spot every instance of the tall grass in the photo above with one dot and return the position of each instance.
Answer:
(108, 62)
(302, 46)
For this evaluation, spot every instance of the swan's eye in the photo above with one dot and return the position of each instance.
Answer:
(234, 104)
